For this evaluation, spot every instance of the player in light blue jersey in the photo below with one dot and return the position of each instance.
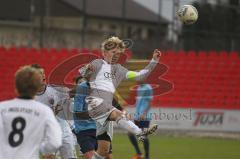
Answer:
(142, 117)
(85, 130)
(80, 105)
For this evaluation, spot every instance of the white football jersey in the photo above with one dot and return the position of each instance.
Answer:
(57, 98)
(27, 127)
(49, 97)
(103, 79)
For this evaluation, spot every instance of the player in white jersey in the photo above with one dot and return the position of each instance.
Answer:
(58, 98)
(105, 75)
(27, 127)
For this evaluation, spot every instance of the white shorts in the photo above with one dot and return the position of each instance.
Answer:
(106, 127)
(99, 109)
(67, 150)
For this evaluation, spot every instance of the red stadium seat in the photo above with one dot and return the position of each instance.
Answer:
(64, 51)
(202, 55)
(33, 50)
(191, 55)
(97, 52)
(3, 49)
(23, 50)
(44, 50)
(212, 56)
(234, 55)
(84, 50)
(74, 51)
(53, 50)
(223, 55)
(200, 80)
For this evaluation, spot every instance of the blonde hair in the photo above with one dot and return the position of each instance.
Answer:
(112, 43)
(28, 81)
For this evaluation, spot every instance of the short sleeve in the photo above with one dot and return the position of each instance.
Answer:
(96, 64)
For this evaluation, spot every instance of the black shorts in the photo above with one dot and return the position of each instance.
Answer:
(87, 140)
(105, 137)
(142, 123)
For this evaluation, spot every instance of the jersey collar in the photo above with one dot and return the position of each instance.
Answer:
(42, 92)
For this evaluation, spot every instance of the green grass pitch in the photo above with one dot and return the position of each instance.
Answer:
(180, 148)
(166, 147)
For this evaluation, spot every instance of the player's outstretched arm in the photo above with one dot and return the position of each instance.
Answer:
(52, 139)
(143, 74)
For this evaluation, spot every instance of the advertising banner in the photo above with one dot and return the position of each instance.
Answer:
(194, 119)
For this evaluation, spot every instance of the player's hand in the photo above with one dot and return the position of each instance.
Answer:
(86, 70)
(89, 67)
(90, 70)
(156, 54)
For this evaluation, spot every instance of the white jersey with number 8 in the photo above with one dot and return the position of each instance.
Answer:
(27, 127)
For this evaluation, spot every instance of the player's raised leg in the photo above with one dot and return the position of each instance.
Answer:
(128, 125)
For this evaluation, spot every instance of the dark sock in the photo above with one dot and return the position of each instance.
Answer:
(146, 147)
(134, 142)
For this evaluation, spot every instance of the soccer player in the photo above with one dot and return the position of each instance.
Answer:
(142, 118)
(85, 130)
(27, 127)
(57, 98)
(105, 75)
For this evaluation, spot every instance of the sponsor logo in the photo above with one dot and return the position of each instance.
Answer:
(209, 119)
(109, 75)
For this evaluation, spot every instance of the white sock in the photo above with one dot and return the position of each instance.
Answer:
(129, 126)
(97, 156)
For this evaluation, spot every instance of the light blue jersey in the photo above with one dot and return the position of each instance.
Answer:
(80, 105)
(144, 97)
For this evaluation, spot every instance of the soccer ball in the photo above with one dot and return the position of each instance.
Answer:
(188, 14)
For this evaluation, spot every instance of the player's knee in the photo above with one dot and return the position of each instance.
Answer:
(109, 156)
(88, 155)
(116, 115)
(97, 156)
(103, 152)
